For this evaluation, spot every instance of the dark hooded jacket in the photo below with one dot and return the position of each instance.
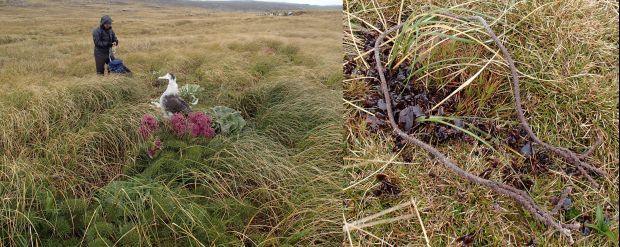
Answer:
(103, 38)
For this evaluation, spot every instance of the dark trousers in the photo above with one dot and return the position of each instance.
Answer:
(100, 61)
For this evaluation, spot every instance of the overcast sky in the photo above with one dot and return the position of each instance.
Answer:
(313, 2)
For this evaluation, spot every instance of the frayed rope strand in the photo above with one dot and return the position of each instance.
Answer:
(519, 196)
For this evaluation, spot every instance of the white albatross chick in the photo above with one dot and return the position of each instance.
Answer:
(170, 102)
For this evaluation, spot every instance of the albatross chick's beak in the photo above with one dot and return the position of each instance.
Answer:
(165, 77)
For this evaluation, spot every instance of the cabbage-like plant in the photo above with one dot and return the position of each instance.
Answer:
(189, 92)
(227, 120)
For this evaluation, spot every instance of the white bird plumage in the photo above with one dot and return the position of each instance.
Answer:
(170, 102)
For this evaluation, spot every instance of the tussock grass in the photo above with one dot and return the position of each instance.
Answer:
(300, 118)
(288, 115)
(567, 60)
(72, 168)
(49, 114)
(94, 155)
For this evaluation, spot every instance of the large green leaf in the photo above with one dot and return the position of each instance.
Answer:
(189, 92)
(227, 120)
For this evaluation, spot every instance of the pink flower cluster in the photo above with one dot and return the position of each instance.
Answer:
(148, 126)
(178, 124)
(198, 124)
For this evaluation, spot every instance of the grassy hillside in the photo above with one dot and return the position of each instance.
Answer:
(73, 170)
(566, 54)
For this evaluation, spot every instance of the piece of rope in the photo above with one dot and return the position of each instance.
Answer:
(561, 200)
(564, 153)
(519, 196)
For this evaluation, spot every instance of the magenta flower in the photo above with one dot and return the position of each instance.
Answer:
(200, 125)
(199, 118)
(157, 143)
(150, 122)
(144, 132)
(150, 152)
(179, 124)
(195, 130)
(209, 132)
(148, 125)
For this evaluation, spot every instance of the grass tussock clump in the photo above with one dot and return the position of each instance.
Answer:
(76, 170)
(93, 155)
(286, 190)
(456, 75)
(250, 187)
(53, 113)
(7, 39)
(289, 53)
(289, 166)
(287, 114)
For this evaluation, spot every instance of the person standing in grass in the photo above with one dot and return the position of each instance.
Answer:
(104, 38)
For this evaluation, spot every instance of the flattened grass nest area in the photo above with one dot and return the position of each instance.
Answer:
(71, 170)
(450, 86)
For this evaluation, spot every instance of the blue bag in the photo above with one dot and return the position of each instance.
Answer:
(117, 66)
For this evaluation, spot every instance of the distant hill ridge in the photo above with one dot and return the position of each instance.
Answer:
(245, 5)
(238, 5)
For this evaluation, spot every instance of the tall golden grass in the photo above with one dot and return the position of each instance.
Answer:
(70, 149)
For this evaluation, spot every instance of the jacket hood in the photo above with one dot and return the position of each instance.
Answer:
(105, 19)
